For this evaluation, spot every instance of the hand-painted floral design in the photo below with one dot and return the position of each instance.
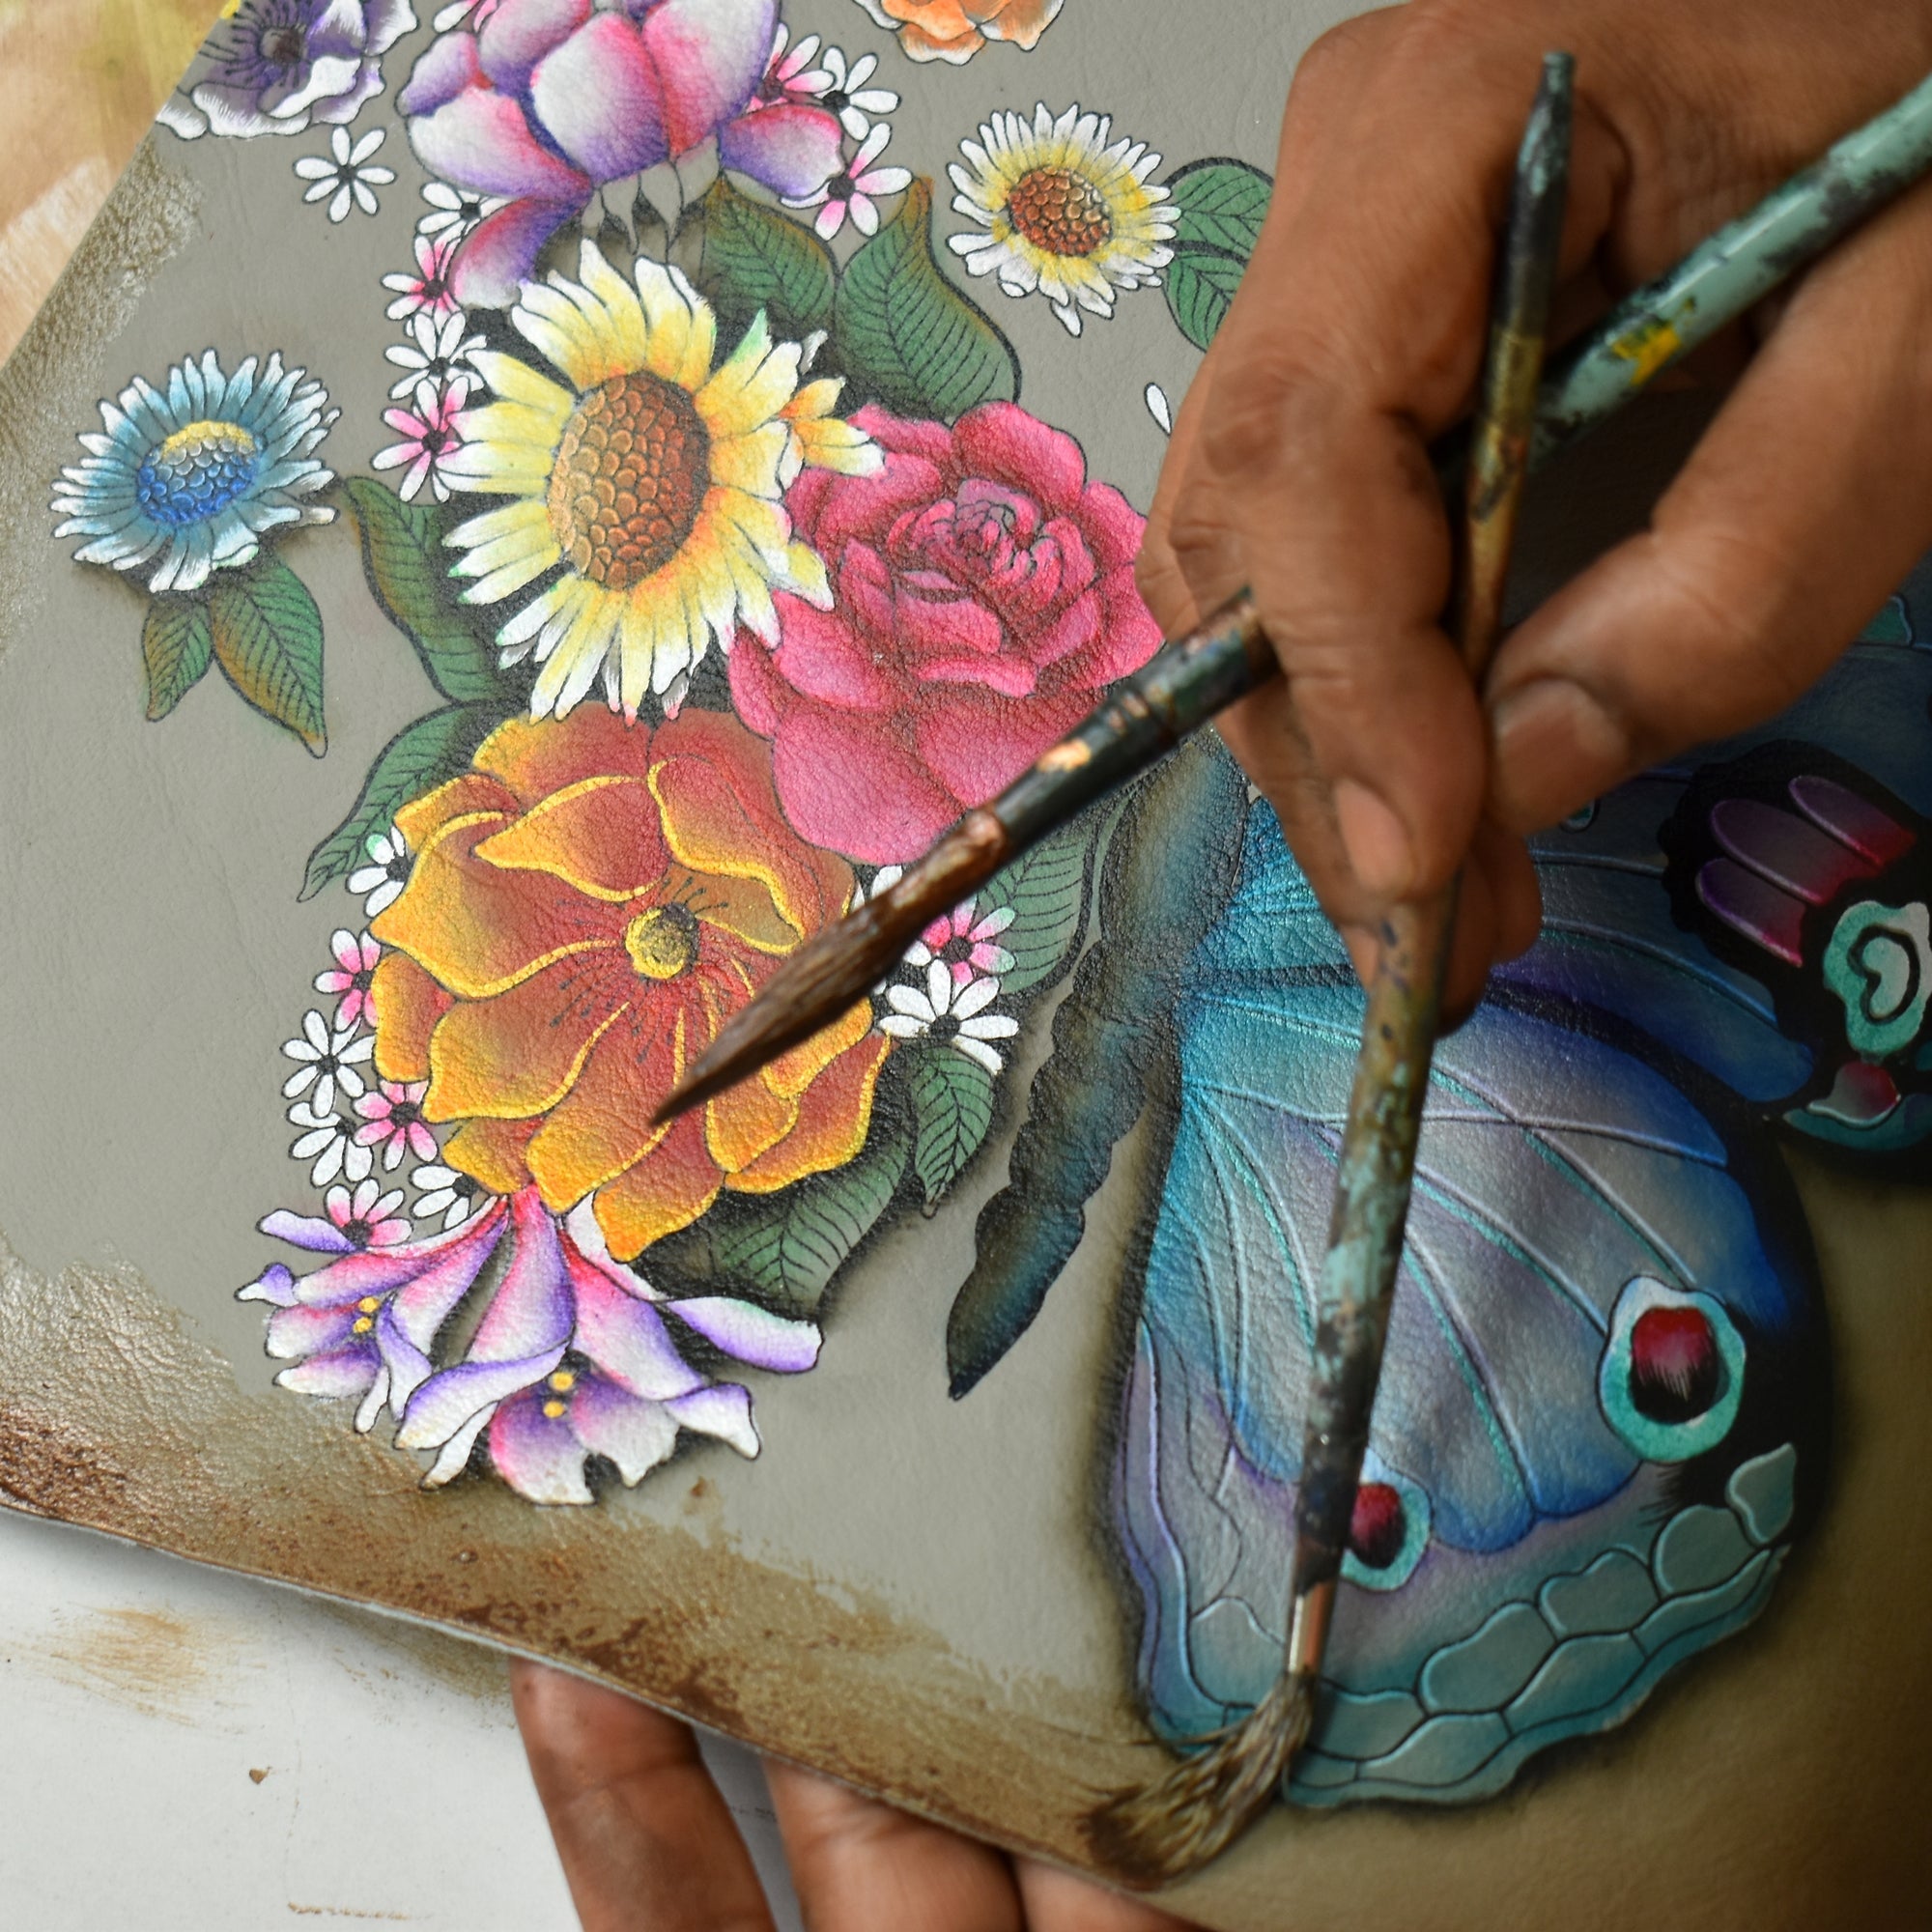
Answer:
(392, 1120)
(964, 941)
(955, 30)
(590, 903)
(326, 1059)
(383, 879)
(950, 1012)
(984, 597)
(348, 175)
(329, 1141)
(855, 188)
(427, 292)
(444, 1194)
(435, 352)
(350, 977)
(550, 101)
(431, 435)
(577, 1356)
(274, 66)
(850, 96)
(654, 478)
(454, 216)
(1062, 210)
(186, 481)
(350, 1224)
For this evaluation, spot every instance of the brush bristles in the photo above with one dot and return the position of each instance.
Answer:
(1163, 1830)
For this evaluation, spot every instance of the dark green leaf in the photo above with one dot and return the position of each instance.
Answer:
(1107, 1037)
(1218, 205)
(755, 258)
(407, 568)
(1048, 891)
(1888, 627)
(1200, 286)
(788, 1245)
(1218, 210)
(952, 1108)
(418, 759)
(177, 647)
(267, 634)
(906, 336)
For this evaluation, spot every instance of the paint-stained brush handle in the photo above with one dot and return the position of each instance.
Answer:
(1186, 683)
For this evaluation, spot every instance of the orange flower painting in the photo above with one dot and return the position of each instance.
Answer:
(589, 904)
(955, 30)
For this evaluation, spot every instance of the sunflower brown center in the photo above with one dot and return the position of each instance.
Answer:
(1059, 211)
(628, 479)
(663, 942)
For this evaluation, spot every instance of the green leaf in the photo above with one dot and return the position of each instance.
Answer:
(1109, 1036)
(177, 647)
(952, 1108)
(1218, 205)
(1200, 287)
(755, 258)
(1888, 627)
(267, 634)
(1048, 891)
(788, 1245)
(905, 336)
(1218, 210)
(407, 568)
(418, 759)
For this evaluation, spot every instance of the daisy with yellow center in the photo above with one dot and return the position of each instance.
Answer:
(1060, 210)
(656, 480)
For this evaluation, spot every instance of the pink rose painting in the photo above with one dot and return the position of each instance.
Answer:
(549, 101)
(983, 597)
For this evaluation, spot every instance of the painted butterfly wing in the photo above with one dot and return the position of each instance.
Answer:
(1585, 1452)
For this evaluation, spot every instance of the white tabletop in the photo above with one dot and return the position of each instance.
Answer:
(183, 1748)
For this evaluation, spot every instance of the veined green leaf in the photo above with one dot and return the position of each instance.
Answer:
(952, 1108)
(419, 757)
(755, 258)
(1048, 891)
(407, 568)
(906, 336)
(1219, 206)
(177, 647)
(267, 634)
(1201, 287)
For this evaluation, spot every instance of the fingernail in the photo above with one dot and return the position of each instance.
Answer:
(1554, 748)
(1375, 839)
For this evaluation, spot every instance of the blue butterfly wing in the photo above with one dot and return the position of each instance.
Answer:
(1546, 1548)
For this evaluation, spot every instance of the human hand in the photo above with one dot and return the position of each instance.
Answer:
(648, 1845)
(1298, 465)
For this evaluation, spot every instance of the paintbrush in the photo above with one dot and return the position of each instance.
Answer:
(1185, 682)
(1185, 1817)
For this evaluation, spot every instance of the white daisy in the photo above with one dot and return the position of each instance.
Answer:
(1061, 211)
(326, 1059)
(436, 350)
(847, 96)
(855, 188)
(455, 213)
(386, 874)
(344, 176)
(945, 1010)
(330, 1141)
(445, 1192)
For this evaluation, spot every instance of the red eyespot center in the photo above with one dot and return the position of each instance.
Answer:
(1378, 1528)
(1676, 1373)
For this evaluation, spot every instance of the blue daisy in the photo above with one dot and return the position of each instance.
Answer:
(188, 481)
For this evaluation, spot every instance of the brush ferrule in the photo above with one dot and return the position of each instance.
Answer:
(1308, 1622)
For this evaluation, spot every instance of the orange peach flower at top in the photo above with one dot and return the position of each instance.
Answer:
(588, 905)
(955, 30)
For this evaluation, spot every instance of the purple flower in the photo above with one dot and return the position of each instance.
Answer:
(546, 102)
(362, 1327)
(274, 66)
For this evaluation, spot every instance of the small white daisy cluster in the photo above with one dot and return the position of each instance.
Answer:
(347, 1118)
(437, 377)
(949, 980)
(825, 78)
(348, 175)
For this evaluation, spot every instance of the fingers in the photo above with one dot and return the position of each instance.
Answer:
(860, 1866)
(1056, 1901)
(645, 1839)
(1807, 500)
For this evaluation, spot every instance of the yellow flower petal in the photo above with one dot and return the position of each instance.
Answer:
(752, 461)
(514, 381)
